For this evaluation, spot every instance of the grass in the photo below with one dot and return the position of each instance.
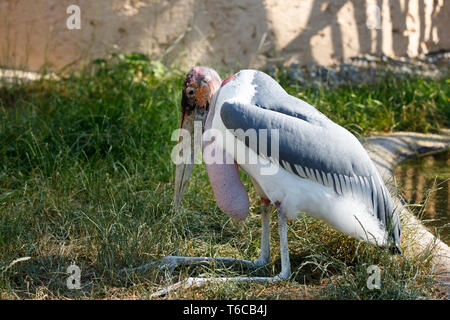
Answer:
(85, 178)
(393, 103)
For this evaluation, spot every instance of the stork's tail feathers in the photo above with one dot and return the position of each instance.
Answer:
(393, 225)
(387, 213)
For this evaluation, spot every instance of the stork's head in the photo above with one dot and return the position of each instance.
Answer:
(200, 85)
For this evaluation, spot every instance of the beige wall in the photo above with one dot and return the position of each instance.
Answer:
(227, 34)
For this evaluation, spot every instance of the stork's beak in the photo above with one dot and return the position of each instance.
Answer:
(183, 171)
(200, 85)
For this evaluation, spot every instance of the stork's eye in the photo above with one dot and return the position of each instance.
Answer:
(190, 91)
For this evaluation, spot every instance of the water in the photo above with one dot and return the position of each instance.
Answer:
(426, 181)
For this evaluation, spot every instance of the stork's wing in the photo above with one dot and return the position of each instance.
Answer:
(313, 147)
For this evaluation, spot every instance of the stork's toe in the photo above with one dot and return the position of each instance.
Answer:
(260, 262)
(282, 276)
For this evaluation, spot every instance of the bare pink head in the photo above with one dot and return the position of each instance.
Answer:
(199, 86)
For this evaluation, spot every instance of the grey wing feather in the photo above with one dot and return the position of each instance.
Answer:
(313, 147)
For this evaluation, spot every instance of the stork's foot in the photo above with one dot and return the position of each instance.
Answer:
(198, 282)
(260, 262)
(141, 268)
(282, 276)
(170, 263)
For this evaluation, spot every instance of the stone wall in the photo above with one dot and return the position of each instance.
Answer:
(228, 34)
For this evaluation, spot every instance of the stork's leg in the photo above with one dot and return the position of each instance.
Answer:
(263, 259)
(264, 256)
(284, 250)
(172, 262)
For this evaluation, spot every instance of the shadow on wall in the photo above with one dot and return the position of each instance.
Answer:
(401, 28)
(324, 15)
(226, 34)
(238, 35)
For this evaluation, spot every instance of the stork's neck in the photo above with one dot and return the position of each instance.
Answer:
(211, 111)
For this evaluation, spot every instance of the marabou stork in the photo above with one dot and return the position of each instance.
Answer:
(320, 167)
